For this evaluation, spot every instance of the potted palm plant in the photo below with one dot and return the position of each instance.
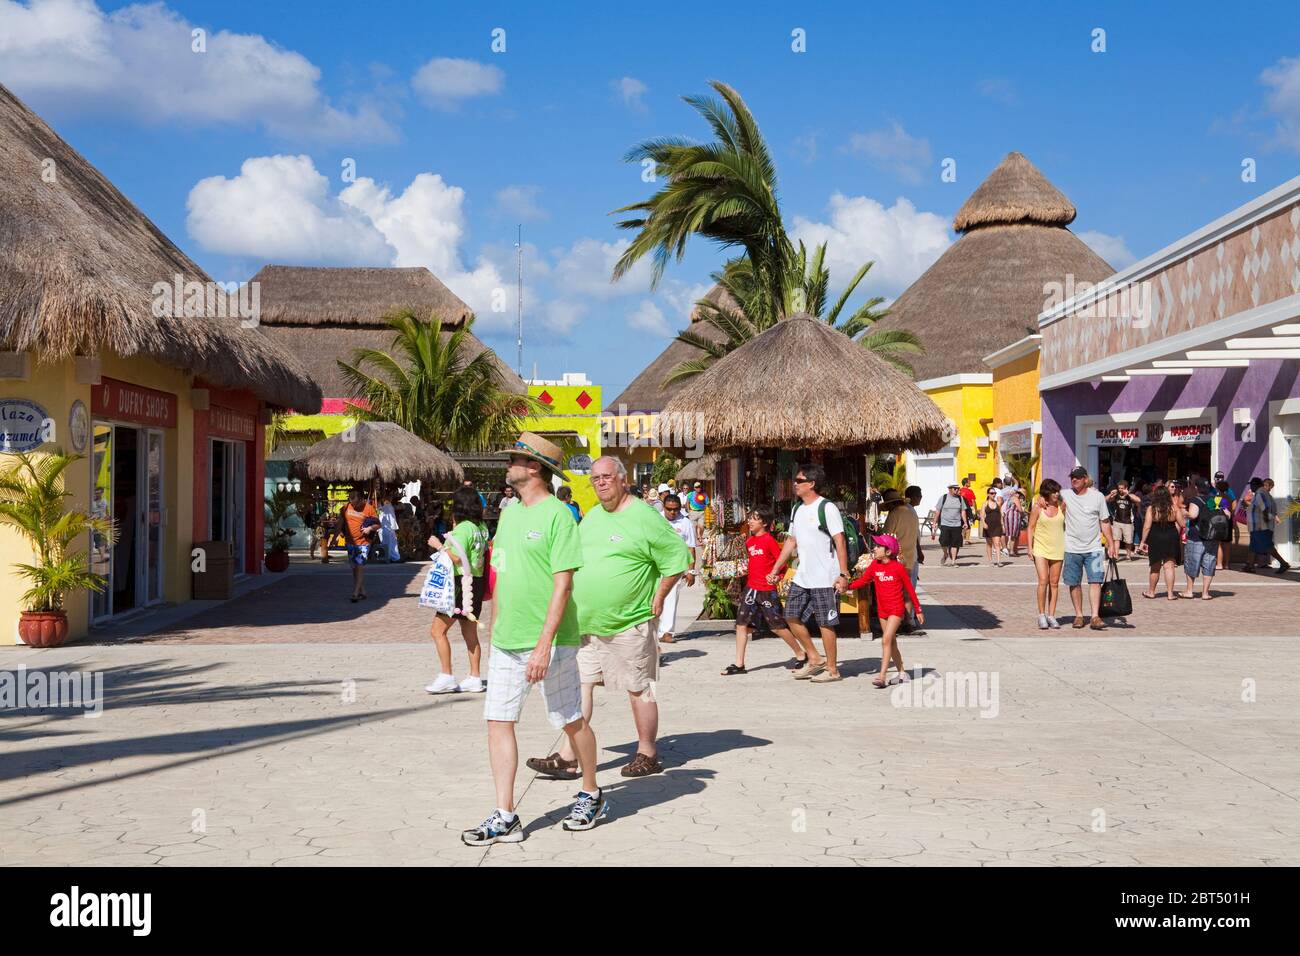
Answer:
(279, 505)
(32, 493)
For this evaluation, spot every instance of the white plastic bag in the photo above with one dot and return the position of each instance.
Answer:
(439, 591)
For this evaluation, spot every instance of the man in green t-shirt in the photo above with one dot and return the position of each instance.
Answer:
(534, 638)
(632, 558)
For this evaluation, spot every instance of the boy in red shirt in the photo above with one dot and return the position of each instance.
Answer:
(760, 599)
(891, 581)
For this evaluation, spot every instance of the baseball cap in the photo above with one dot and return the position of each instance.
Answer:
(662, 488)
(1079, 472)
(888, 542)
(1219, 476)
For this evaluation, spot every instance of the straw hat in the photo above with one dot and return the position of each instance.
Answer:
(892, 498)
(540, 450)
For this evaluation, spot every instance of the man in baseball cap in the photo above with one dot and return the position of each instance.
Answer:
(663, 491)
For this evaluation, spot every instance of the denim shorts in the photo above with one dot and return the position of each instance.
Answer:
(1200, 558)
(1076, 564)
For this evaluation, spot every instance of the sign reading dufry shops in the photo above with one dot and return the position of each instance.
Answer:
(125, 402)
(24, 425)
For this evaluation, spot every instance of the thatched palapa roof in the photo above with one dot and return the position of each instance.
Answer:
(326, 314)
(647, 392)
(700, 469)
(802, 384)
(382, 450)
(78, 265)
(986, 291)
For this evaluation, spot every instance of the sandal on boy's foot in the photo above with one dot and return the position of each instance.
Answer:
(825, 677)
(880, 683)
(554, 766)
(808, 670)
(733, 669)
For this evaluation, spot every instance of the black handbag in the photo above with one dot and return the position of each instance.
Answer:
(1115, 599)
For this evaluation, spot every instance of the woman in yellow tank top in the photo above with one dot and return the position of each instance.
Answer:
(1047, 548)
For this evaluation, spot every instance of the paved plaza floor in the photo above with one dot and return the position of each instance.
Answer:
(290, 727)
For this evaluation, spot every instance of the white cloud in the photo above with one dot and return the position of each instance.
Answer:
(279, 209)
(139, 61)
(520, 203)
(586, 266)
(560, 316)
(901, 241)
(444, 83)
(682, 296)
(1000, 89)
(1111, 248)
(632, 92)
(894, 150)
(647, 317)
(1283, 100)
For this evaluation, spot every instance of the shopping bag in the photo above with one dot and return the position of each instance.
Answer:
(1115, 599)
(439, 590)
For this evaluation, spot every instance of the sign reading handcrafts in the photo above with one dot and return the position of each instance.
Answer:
(123, 401)
(227, 423)
(22, 425)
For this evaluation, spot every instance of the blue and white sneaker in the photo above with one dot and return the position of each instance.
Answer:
(587, 811)
(495, 829)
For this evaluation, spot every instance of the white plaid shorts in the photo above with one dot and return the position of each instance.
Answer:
(508, 687)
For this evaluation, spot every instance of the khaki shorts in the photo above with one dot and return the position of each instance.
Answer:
(625, 661)
(1123, 533)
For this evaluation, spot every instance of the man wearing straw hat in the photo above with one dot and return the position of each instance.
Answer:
(534, 638)
(633, 559)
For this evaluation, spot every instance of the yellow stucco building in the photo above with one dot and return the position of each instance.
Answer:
(1017, 429)
(572, 421)
(967, 400)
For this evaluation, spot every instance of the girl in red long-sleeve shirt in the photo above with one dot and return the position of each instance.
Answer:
(891, 581)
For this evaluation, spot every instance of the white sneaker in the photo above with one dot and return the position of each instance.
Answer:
(472, 685)
(1053, 623)
(443, 684)
(1042, 622)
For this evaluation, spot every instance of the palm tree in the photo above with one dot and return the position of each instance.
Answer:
(746, 312)
(435, 386)
(724, 190)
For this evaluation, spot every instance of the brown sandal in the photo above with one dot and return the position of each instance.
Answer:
(642, 765)
(554, 766)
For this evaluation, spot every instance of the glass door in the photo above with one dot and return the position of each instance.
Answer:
(101, 506)
(155, 516)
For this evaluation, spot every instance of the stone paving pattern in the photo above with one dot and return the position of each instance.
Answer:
(1138, 750)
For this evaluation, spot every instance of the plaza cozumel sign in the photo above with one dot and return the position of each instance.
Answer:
(122, 401)
(24, 426)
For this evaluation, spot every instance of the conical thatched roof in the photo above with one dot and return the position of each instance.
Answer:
(802, 384)
(988, 288)
(1014, 192)
(647, 392)
(326, 314)
(78, 264)
(382, 450)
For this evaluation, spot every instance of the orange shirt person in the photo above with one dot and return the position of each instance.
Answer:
(360, 520)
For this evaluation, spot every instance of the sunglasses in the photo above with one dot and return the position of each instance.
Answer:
(671, 509)
(802, 481)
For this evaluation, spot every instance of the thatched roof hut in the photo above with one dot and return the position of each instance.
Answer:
(986, 291)
(376, 450)
(802, 384)
(326, 314)
(699, 469)
(647, 392)
(78, 265)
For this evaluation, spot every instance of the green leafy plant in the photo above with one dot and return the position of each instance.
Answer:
(280, 505)
(666, 466)
(32, 495)
(896, 477)
(718, 605)
(1022, 468)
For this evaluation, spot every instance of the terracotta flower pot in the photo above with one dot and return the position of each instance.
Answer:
(43, 628)
(277, 561)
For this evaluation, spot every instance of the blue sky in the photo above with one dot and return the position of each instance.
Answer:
(238, 152)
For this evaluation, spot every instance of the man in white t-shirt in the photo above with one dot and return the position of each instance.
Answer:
(823, 571)
(685, 529)
(1087, 518)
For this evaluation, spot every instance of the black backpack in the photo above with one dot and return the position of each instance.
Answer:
(1204, 519)
(1219, 527)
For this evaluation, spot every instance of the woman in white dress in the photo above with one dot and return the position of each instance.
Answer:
(388, 530)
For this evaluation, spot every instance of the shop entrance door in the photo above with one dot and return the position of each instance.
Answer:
(127, 485)
(226, 490)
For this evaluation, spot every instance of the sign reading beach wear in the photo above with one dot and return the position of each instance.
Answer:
(227, 423)
(133, 403)
(1153, 433)
(22, 425)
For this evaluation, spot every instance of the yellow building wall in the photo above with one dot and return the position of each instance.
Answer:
(965, 405)
(54, 388)
(630, 439)
(1015, 395)
(566, 413)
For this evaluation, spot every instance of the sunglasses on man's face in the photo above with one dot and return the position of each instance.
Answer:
(670, 510)
(802, 481)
